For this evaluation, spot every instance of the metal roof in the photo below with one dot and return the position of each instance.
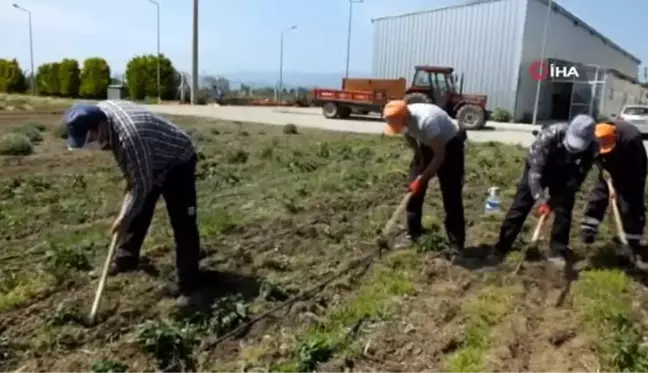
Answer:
(556, 7)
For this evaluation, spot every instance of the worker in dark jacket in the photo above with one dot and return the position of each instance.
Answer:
(623, 157)
(559, 160)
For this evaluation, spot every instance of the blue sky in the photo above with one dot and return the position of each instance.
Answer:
(243, 35)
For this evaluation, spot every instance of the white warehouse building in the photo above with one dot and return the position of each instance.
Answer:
(495, 42)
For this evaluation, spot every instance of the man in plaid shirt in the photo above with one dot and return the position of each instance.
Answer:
(157, 158)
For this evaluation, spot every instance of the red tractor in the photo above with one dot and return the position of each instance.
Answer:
(437, 85)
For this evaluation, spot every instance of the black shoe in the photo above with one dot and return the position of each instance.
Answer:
(186, 296)
(117, 267)
(640, 256)
(559, 258)
(495, 257)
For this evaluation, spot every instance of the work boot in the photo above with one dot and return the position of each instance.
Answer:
(560, 257)
(186, 296)
(116, 267)
(640, 255)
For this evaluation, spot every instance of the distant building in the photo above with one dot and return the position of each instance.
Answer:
(495, 43)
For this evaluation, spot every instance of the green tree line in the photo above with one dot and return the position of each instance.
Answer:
(67, 78)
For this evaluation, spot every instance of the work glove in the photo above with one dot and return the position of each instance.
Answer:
(416, 186)
(543, 207)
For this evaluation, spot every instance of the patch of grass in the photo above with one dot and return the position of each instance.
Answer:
(374, 299)
(15, 144)
(22, 291)
(604, 299)
(481, 314)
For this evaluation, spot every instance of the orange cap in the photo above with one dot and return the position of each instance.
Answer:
(395, 114)
(606, 136)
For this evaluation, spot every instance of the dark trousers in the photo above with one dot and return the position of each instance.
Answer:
(562, 203)
(179, 192)
(451, 177)
(630, 200)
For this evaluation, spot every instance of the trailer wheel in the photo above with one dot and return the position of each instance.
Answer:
(471, 117)
(344, 112)
(331, 110)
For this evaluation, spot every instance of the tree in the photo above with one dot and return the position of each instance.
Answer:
(12, 78)
(141, 77)
(48, 80)
(69, 78)
(95, 78)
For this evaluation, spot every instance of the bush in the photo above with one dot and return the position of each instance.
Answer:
(501, 115)
(15, 144)
(47, 79)
(95, 78)
(12, 78)
(29, 131)
(290, 129)
(61, 131)
(141, 77)
(69, 78)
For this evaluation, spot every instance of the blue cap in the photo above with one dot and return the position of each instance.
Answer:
(79, 120)
(580, 133)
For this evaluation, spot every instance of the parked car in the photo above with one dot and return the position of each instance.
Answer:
(637, 115)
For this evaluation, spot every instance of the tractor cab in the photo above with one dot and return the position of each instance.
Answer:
(438, 85)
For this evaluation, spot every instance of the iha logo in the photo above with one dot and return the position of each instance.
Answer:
(542, 70)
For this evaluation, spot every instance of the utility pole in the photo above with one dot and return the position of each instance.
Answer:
(159, 93)
(542, 58)
(194, 68)
(279, 89)
(31, 48)
(348, 53)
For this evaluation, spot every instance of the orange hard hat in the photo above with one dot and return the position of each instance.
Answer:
(606, 136)
(395, 114)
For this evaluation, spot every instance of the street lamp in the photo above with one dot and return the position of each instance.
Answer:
(157, 5)
(544, 65)
(351, 2)
(279, 89)
(194, 64)
(31, 48)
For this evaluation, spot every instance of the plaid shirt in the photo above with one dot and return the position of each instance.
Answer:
(145, 146)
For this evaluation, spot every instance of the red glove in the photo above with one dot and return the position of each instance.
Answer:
(544, 209)
(416, 186)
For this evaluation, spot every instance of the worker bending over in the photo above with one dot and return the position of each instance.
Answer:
(623, 157)
(559, 159)
(438, 145)
(157, 158)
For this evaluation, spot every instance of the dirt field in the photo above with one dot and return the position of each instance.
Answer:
(280, 212)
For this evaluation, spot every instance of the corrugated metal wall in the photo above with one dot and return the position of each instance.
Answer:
(566, 40)
(482, 40)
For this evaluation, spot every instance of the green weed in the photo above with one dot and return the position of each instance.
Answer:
(169, 343)
(109, 366)
(603, 299)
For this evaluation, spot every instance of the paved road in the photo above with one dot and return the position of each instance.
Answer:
(312, 117)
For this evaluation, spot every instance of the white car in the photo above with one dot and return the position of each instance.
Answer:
(637, 115)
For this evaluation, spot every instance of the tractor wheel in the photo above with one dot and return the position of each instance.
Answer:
(417, 98)
(331, 110)
(471, 117)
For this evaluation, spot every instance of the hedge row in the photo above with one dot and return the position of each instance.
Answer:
(67, 79)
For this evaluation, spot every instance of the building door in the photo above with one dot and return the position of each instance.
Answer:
(581, 99)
